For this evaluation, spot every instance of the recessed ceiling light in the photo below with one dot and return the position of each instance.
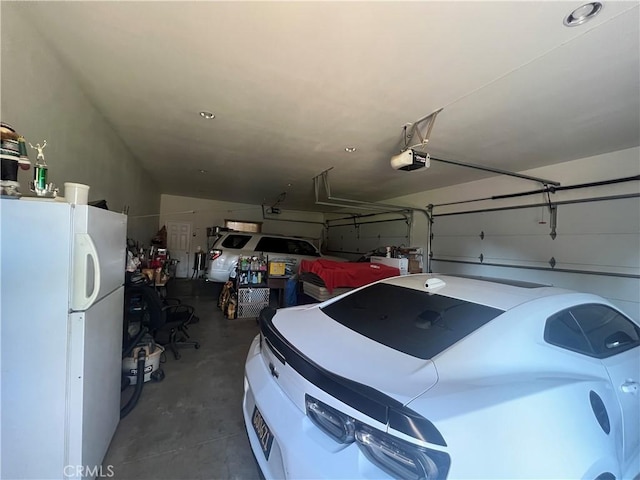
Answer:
(350, 149)
(583, 14)
(207, 115)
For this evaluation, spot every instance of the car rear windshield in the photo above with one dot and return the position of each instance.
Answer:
(417, 323)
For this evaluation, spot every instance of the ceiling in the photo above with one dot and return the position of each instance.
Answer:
(292, 84)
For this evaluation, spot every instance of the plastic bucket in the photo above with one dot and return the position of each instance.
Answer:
(76, 193)
(152, 363)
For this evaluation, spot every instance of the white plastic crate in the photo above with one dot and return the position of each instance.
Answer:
(253, 295)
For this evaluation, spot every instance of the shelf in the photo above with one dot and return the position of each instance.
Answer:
(252, 296)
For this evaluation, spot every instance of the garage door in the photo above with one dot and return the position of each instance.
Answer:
(596, 248)
(352, 238)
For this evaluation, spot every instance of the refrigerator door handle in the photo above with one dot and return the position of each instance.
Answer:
(84, 251)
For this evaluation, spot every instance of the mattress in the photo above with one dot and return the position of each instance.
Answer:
(321, 293)
(346, 274)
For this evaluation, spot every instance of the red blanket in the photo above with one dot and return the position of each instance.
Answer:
(347, 274)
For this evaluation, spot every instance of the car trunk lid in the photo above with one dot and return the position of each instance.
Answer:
(317, 347)
(346, 353)
(372, 381)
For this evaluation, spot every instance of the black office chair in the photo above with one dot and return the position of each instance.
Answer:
(168, 321)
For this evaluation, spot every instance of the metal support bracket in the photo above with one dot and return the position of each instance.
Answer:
(429, 215)
(499, 171)
(321, 181)
(553, 213)
(410, 130)
(414, 129)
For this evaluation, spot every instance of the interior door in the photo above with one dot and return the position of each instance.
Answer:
(179, 244)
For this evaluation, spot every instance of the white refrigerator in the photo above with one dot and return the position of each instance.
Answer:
(61, 304)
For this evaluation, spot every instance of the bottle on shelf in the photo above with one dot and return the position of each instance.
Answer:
(243, 264)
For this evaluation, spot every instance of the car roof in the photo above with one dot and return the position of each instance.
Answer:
(496, 293)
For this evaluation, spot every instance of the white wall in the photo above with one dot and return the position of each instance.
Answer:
(202, 213)
(42, 101)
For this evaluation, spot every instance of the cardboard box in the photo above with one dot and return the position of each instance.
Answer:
(415, 266)
(414, 255)
(149, 273)
(276, 268)
(401, 264)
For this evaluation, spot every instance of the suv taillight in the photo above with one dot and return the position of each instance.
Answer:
(213, 254)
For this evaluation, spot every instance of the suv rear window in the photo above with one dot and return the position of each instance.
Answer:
(235, 241)
(417, 323)
(288, 246)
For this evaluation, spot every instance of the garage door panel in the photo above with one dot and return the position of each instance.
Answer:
(596, 249)
(460, 246)
(604, 252)
(621, 291)
(619, 216)
(513, 248)
(353, 240)
(523, 221)
(577, 218)
(335, 241)
(459, 224)
(378, 235)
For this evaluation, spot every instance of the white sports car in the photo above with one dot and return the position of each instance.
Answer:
(423, 376)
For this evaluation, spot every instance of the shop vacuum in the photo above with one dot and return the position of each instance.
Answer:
(140, 364)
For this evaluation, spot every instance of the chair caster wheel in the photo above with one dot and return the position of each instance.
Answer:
(196, 346)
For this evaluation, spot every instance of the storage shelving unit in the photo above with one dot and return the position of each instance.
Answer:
(251, 285)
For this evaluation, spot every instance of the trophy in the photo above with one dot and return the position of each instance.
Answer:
(39, 183)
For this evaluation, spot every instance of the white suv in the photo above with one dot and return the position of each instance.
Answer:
(223, 256)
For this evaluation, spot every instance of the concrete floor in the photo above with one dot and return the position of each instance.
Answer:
(190, 426)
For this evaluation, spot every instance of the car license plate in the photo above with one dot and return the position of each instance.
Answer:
(265, 437)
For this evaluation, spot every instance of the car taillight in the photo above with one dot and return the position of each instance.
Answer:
(334, 423)
(399, 458)
(213, 254)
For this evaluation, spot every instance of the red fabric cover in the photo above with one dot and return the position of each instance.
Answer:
(347, 274)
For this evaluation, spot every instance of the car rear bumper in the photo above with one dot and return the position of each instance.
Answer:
(299, 448)
(217, 275)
